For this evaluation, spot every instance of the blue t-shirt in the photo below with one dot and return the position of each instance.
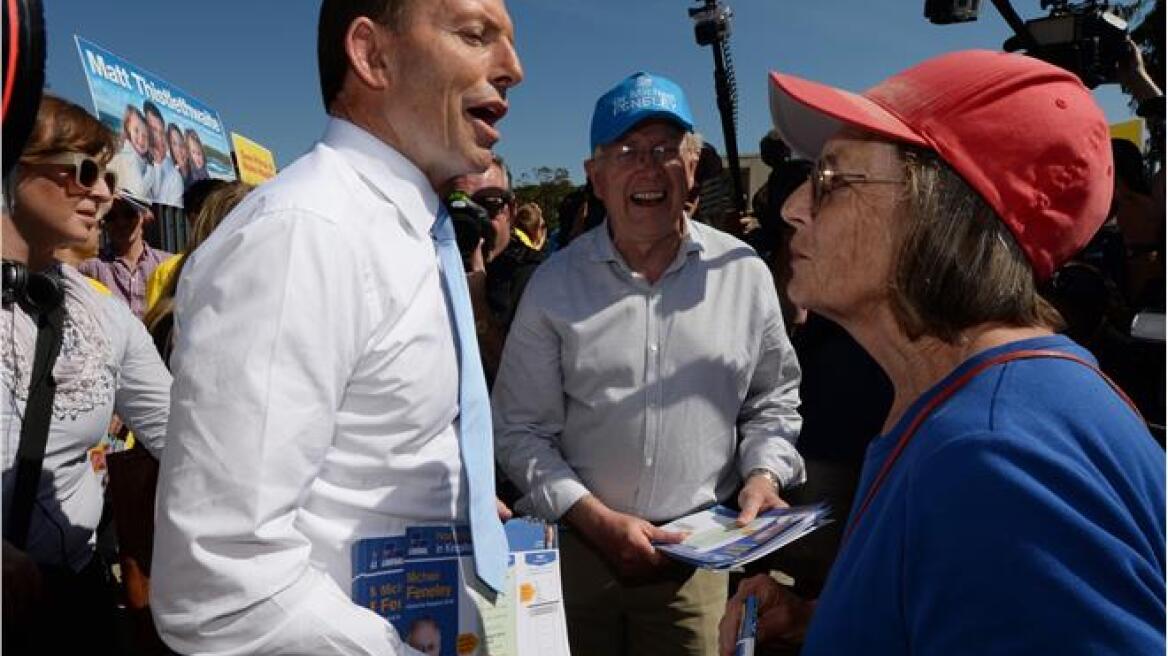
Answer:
(1025, 517)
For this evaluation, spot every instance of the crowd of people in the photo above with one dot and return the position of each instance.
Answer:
(926, 320)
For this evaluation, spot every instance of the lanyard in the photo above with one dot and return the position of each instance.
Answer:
(943, 395)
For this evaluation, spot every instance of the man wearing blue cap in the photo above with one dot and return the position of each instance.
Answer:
(647, 375)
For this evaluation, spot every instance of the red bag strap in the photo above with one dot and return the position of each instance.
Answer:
(948, 391)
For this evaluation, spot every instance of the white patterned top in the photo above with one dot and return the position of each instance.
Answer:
(107, 363)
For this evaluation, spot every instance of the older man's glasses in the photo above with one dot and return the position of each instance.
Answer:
(625, 155)
(86, 170)
(825, 180)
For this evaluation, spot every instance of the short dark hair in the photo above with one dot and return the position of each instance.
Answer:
(196, 194)
(149, 107)
(958, 265)
(335, 18)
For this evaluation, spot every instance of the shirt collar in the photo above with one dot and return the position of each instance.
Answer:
(386, 171)
(603, 249)
(108, 255)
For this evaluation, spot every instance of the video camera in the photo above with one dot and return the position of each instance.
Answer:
(1084, 38)
(472, 223)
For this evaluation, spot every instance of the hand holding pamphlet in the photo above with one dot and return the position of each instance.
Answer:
(717, 542)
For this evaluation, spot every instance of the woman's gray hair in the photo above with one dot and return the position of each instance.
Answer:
(958, 265)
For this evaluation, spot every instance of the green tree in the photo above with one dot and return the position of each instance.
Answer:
(545, 186)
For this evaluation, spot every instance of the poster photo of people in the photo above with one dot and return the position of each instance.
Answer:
(169, 139)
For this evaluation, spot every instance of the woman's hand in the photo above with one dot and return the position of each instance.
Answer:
(782, 615)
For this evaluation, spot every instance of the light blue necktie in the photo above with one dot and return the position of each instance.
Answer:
(475, 434)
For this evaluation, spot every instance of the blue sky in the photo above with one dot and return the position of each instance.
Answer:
(259, 68)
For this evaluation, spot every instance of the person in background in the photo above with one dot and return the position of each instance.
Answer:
(498, 275)
(530, 227)
(193, 198)
(490, 190)
(1140, 226)
(57, 596)
(509, 273)
(210, 210)
(1014, 502)
(166, 183)
(126, 262)
(579, 212)
(318, 374)
(614, 408)
(712, 198)
(198, 157)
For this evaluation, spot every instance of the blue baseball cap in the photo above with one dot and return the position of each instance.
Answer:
(638, 97)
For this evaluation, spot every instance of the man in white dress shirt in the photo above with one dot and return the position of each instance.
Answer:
(317, 382)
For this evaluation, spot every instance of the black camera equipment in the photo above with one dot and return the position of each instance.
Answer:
(24, 75)
(947, 12)
(712, 28)
(1084, 38)
(472, 222)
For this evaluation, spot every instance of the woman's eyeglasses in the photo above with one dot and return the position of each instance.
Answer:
(86, 170)
(825, 180)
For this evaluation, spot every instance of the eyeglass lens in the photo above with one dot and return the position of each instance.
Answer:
(87, 172)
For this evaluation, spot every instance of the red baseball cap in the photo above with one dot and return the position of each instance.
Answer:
(1025, 134)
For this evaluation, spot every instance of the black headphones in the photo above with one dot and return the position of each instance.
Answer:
(35, 292)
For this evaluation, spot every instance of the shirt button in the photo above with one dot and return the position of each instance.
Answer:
(653, 348)
(648, 462)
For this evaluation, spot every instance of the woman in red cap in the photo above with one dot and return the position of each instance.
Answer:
(1014, 502)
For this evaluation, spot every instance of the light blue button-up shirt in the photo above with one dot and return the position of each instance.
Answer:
(656, 398)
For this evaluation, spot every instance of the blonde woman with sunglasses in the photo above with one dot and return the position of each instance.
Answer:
(57, 194)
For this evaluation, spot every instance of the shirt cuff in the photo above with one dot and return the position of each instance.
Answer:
(551, 500)
(780, 458)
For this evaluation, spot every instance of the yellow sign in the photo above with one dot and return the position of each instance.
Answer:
(1132, 130)
(255, 163)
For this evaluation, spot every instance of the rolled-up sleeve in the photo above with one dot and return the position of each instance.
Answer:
(270, 326)
(528, 409)
(769, 420)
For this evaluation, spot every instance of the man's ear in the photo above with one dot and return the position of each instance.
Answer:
(367, 46)
(592, 172)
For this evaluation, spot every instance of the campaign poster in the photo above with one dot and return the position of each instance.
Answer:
(168, 139)
(255, 163)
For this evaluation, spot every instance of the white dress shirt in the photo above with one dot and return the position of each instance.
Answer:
(656, 398)
(107, 363)
(314, 405)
